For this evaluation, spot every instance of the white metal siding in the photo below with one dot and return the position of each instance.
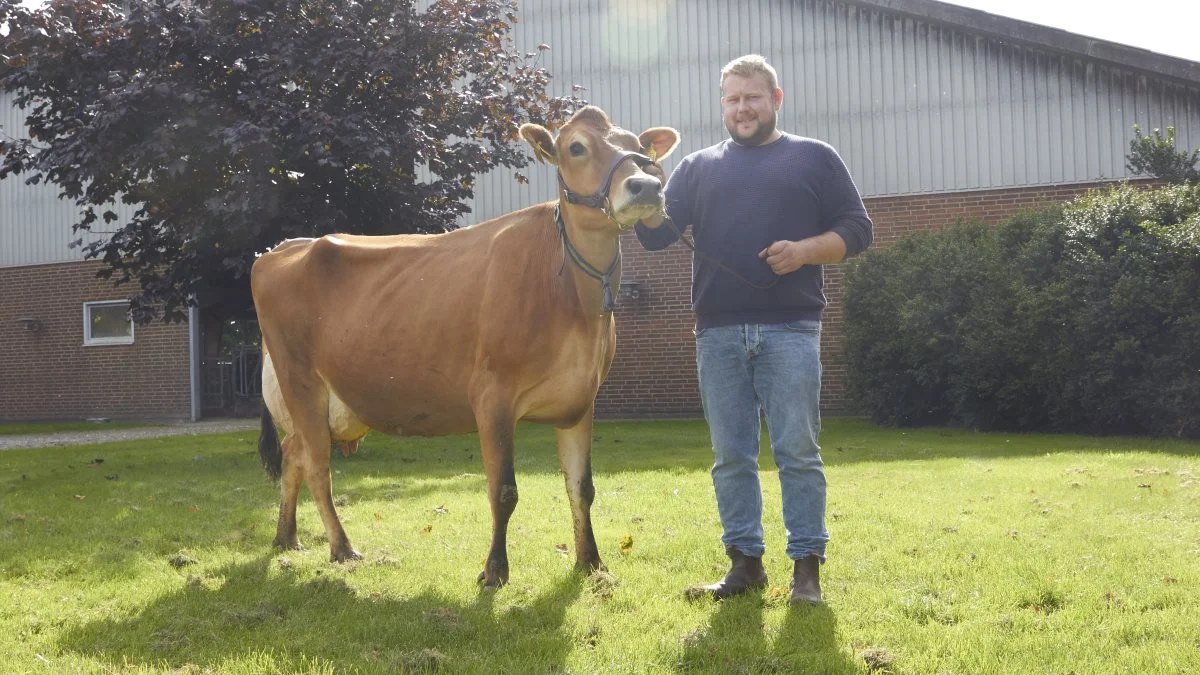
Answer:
(35, 225)
(913, 107)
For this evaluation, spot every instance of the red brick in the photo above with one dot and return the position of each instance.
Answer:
(48, 374)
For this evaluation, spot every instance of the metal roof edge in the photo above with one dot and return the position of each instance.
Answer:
(1043, 36)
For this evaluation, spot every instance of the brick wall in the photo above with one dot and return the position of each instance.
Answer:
(654, 372)
(47, 374)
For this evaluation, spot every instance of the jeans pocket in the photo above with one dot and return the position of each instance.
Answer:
(803, 326)
(698, 333)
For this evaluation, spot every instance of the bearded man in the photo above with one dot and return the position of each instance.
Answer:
(767, 208)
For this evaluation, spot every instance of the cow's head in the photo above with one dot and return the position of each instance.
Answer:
(603, 166)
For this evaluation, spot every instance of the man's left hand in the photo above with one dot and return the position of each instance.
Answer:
(784, 257)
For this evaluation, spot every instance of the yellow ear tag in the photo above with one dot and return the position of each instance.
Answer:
(650, 152)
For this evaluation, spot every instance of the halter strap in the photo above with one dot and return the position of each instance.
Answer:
(599, 199)
(605, 277)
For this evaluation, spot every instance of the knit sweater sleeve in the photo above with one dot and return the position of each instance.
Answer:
(842, 207)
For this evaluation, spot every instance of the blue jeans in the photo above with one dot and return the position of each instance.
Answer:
(774, 368)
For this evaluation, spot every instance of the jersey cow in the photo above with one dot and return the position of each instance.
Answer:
(476, 329)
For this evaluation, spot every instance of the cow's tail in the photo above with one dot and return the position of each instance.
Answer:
(268, 446)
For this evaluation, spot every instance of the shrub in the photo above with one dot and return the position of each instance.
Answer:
(1084, 317)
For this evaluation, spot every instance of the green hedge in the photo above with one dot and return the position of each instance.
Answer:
(1084, 317)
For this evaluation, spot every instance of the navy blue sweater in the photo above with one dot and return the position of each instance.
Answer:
(740, 199)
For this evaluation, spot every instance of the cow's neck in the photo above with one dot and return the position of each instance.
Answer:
(597, 249)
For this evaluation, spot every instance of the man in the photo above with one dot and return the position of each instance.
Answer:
(767, 209)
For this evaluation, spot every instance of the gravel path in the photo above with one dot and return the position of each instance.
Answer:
(216, 426)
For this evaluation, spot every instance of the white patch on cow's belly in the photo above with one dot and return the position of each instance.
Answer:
(344, 425)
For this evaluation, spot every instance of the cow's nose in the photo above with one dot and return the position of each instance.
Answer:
(642, 186)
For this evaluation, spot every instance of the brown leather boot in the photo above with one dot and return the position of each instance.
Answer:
(745, 574)
(806, 581)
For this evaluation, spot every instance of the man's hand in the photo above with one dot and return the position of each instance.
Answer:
(657, 171)
(784, 257)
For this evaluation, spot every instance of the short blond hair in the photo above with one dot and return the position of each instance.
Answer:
(748, 66)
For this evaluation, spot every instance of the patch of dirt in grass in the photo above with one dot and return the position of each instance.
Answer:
(385, 560)
(168, 640)
(878, 659)
(182, 559)
(255, 615)
(603, 584)
(424, 661)
(692, 639)
(205, 582)
(590, 637)
(928, 608)
(1045, 601)
(443, 616)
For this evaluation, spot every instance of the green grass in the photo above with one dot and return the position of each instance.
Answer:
(19, 428)
(951, 551)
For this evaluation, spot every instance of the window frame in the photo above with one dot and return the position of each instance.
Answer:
(89, 341)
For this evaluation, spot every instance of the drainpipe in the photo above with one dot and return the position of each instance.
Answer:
(194, 358)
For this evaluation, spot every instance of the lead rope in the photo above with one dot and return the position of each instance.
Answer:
(700, 254)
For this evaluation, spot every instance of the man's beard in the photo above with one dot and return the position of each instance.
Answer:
(765, 129)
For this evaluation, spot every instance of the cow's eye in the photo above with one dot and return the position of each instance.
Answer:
(577, 149)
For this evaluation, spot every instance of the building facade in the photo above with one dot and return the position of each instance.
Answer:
(941, 113)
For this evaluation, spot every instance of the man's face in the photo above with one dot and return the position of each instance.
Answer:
(748, 107)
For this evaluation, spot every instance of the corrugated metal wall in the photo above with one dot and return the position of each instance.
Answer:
(35, 225)
(912, 107)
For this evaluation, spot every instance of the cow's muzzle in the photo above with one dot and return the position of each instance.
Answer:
(600, 199)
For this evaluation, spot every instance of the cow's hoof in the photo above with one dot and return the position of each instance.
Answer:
(493, 583)
(345, 556)
(292, 545)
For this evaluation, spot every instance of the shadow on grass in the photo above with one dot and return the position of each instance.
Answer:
(806, 642)
(685, 447)
(277, 622)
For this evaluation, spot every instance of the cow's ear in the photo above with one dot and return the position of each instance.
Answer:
(542, 142)
(662, 140)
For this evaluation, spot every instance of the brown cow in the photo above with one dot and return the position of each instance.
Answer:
(473, 330)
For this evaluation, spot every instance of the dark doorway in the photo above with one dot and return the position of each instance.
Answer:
(230, 367)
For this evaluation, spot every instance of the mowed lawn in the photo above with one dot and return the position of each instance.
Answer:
(951, 551)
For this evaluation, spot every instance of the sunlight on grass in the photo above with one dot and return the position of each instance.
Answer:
(951, 551)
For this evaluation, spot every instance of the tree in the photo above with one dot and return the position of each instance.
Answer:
(1158, 157)
(234, 124)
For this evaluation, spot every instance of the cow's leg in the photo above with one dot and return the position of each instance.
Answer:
(575, 456)
(313, 448)
(289, 487)
(496, 430)
(320, 483)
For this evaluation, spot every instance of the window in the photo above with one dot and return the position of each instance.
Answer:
(107, 323)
